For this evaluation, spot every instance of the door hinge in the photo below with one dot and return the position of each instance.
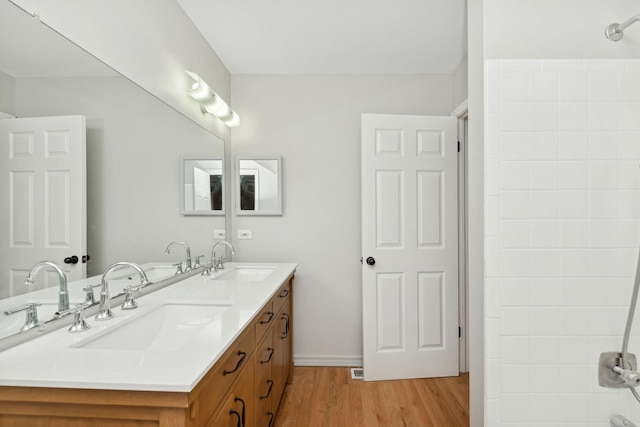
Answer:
(459, 332)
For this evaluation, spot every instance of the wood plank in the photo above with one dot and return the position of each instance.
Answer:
(323, 396)
(93, 396)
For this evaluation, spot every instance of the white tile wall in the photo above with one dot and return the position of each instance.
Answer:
(562, 193)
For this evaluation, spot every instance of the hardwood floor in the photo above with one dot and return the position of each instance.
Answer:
(328, 397)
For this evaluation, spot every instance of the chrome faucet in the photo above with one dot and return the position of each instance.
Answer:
(32, 315)
(219, 265)
(168, 250)
(105, 313)
(63, 294)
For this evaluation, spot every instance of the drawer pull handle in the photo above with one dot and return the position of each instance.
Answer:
(242, 355)
(285, 317)
(271, 350)
(284, 293)
(270, 313)
(237, 414)
(237, 399)
(271, 417)
(268, 391)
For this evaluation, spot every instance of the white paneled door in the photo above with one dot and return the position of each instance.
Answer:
(43, 183)
(410, 246)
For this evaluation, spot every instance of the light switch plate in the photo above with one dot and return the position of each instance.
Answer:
(244, 234)
(219, 234)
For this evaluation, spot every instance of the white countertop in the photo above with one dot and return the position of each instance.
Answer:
(57, 359)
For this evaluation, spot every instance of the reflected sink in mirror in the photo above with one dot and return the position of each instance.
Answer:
(154, 273)
(159, 272)
(246, 274)
(163, 329)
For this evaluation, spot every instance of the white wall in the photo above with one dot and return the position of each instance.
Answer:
(7, 94)
(475, 189)
(557, 29)
(313, 122)
(461, 82)
(151, 42)
(134, 143)
(539, 30)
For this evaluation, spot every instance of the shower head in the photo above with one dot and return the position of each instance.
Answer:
(614, 32)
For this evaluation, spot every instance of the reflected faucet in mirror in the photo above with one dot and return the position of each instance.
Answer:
(219, 264)
(188, 266)
(63, 294)
(105, 313)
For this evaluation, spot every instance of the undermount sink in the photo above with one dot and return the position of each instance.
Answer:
(246, 274)
(165, 328)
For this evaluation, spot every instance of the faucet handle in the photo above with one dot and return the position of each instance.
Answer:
(178, 266)
(89, 298)
(198, 258)
(79, 324)
(129, 301)
(207, 269)
(31, 320)
(220, 263)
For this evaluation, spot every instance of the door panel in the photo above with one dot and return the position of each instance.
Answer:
(409, 225)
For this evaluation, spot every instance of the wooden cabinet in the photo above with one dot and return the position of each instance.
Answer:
(243, 389)
(238, 409)
(274, 352)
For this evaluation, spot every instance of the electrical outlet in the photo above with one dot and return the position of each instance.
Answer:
(244, 234)
(219, 234)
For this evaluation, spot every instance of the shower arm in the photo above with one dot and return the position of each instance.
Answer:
(614, 32)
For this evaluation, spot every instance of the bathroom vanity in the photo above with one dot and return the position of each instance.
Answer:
(207, 351)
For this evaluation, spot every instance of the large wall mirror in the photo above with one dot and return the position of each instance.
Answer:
(258, 185)
(133, 142)
(202, 189)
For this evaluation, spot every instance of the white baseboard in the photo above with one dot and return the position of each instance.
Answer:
(325, 360)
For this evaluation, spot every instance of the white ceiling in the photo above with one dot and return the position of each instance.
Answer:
(333, 36)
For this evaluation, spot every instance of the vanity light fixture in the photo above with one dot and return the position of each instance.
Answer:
(211, 102)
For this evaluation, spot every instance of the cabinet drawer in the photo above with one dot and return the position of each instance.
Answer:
(264, 320)
(223, 374)
(265, 390)
(282, 296)
(265, 354)
(238, 407)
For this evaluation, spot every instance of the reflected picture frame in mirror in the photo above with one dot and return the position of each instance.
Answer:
(202, 185)
(258, 185)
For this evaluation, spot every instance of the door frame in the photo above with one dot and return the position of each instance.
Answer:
(462, 113)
